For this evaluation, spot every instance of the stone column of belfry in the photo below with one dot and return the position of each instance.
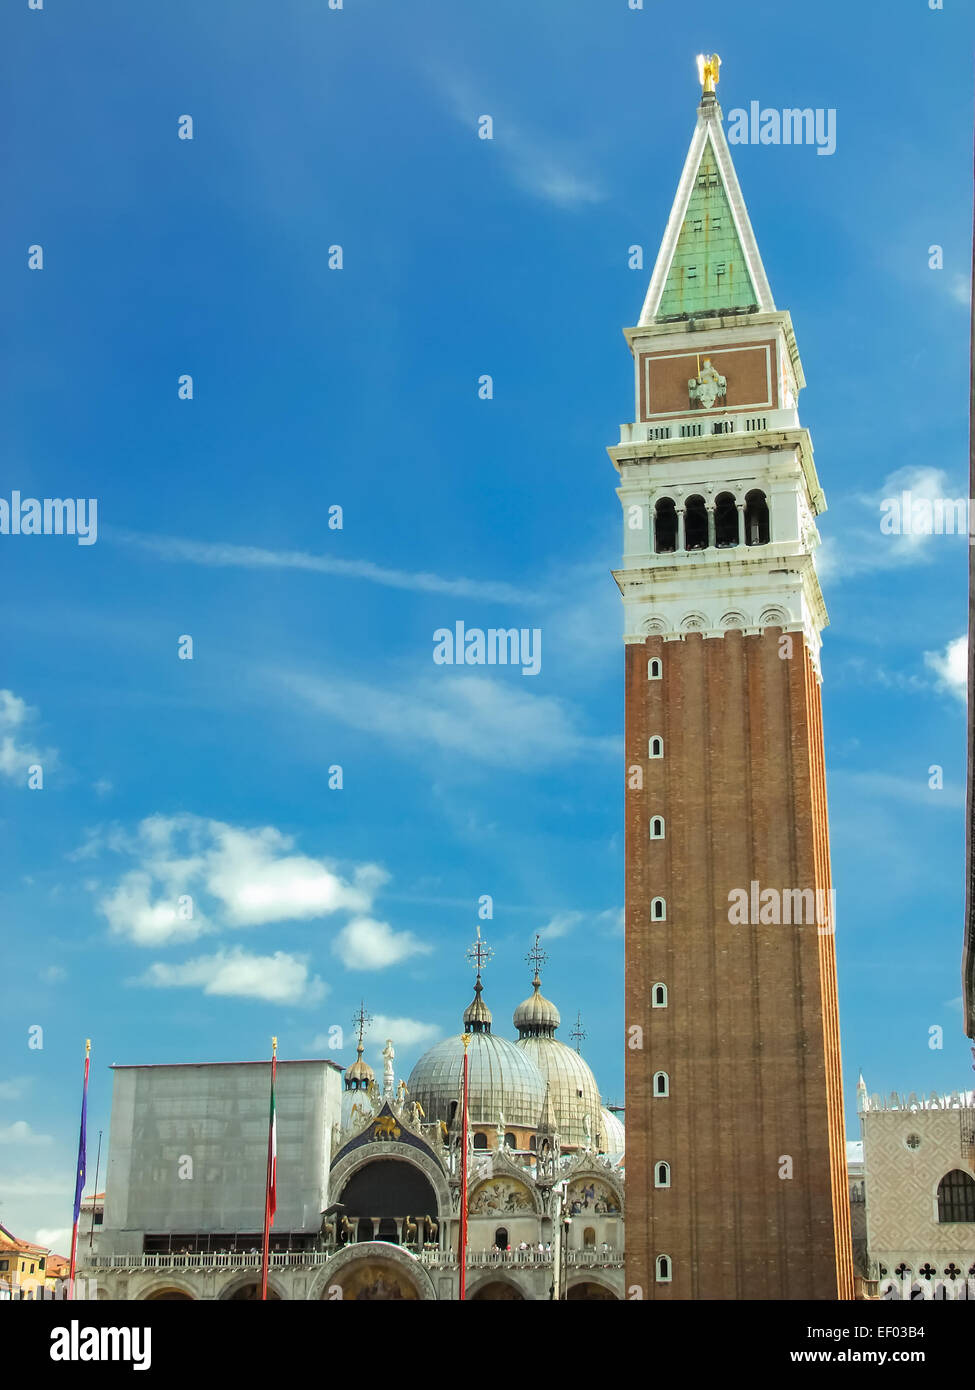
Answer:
(733, 1073)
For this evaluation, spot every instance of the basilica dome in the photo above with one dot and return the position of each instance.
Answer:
(614, 1135)
(502, 1079)
(572, 1086)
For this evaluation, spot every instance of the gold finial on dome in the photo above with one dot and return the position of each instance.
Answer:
(707, 71)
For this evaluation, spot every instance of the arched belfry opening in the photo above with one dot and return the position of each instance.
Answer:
(756, 518)
(725, 521)
(665, 526)
(695, 524)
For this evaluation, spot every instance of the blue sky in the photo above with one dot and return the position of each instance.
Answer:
(357, 387)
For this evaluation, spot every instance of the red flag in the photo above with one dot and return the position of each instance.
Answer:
(271, 1186)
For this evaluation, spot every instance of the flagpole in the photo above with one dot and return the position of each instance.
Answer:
(271, 1176)
(79, 1182)
(463, 1181)
(94, 1195)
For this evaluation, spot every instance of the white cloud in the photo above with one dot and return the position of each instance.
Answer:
(20, 1132)
(279, 979)
(610, 921)
(102, 787)
(54, 1238)
(405, 1033)
(486, 720)
(131, 912)
(53, 974)
(15, 755)
(888, 788)
(561, 924)
(13, 1089)
(195, 875)
(863, 548)
(31, 1185)
(224, 555)
(951, 667)
(365, 944)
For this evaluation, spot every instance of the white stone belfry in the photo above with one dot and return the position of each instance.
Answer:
(717, 480)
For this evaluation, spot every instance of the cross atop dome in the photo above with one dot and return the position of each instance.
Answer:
(536, 956)
(578, 1034)
(361, 1020)
(479, 953)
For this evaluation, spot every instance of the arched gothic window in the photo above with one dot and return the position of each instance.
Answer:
(661, 1084)
(956, 1196)
(660, 996)
(663, 1269)
(658, 909)
(657, 828)
(661, 1175)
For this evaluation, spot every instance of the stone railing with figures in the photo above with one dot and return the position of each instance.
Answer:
(957, 1100)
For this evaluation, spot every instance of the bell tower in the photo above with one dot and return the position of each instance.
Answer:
(736, 1160)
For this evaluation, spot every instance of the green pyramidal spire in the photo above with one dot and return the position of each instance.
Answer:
(709, 270)
(708, 261)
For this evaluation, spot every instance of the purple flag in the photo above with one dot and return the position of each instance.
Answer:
(79, 1185)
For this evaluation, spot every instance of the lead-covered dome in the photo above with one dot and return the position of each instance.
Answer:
(536, 1015)
(502, 1080)
(572, 1086)
(614, 1135)
(574, 1092)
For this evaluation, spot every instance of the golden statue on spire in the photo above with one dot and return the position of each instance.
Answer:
(707, 71)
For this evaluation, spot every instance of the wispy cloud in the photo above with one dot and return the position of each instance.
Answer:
(609, 921)
(888, 788)
(20, 1132)
(484, 720)
(541, 164)
(226, 555)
